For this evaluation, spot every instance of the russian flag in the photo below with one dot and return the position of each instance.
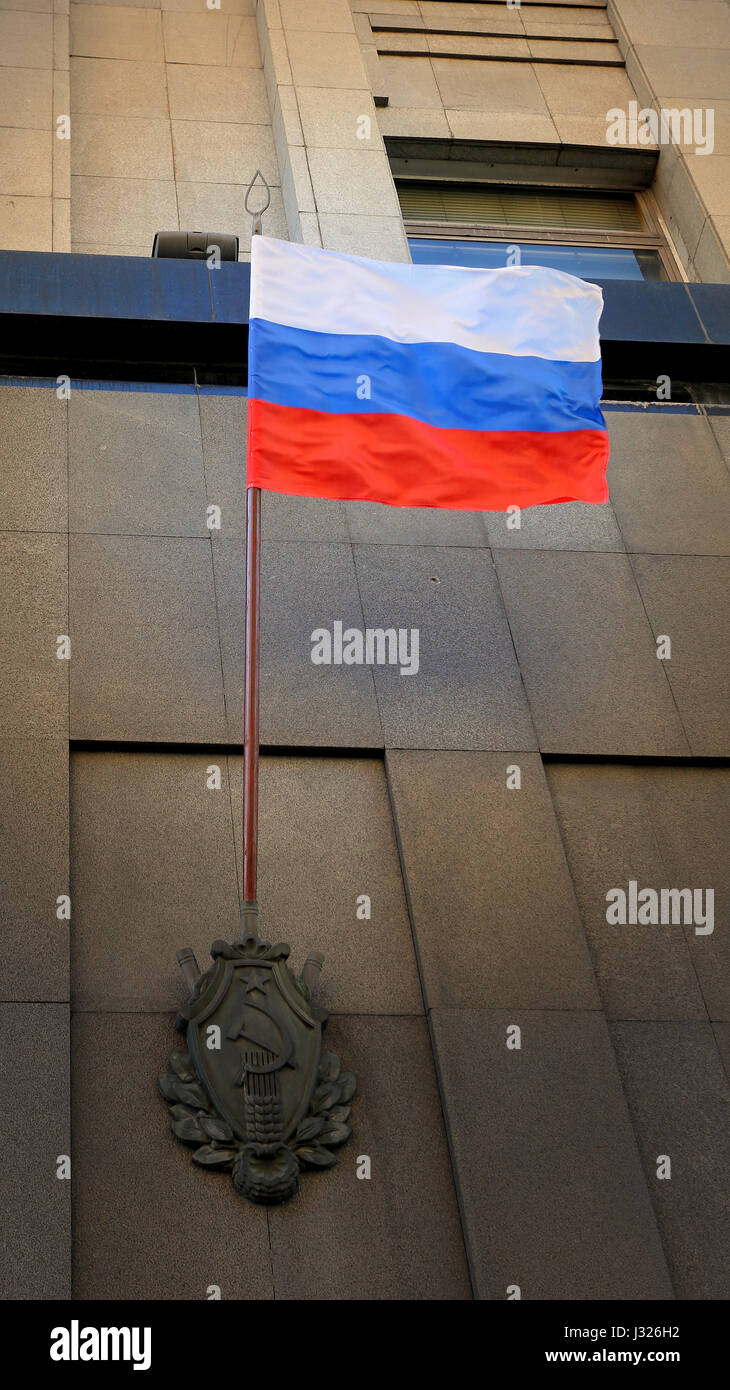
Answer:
(421, 385)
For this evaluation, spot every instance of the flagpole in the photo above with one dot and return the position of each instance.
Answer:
(251, 672)
(251, 676)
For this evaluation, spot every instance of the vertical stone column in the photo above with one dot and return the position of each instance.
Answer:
(61, 144)
(34, 844)
(33, 47)
(336, 181)
(681, 65)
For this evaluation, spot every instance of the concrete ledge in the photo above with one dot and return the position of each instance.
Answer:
(605, 166)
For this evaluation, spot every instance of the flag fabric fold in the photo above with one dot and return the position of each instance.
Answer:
(423, 386)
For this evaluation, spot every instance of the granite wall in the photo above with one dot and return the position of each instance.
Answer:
(492, 1166)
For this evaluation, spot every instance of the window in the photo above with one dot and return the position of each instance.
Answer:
(596, 235)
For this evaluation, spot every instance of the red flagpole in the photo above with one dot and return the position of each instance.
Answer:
(251, 673)
(252, 650)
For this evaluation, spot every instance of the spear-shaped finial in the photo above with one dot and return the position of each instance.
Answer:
(256, 229)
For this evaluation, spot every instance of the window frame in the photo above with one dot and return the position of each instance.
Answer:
(654, 238)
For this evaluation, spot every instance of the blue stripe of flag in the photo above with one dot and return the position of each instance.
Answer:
(440, 384)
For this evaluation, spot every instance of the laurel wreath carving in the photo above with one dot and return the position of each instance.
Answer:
(326, 1127)
(196, 1122)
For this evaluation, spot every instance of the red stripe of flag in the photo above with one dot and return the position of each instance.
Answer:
(402, 462)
